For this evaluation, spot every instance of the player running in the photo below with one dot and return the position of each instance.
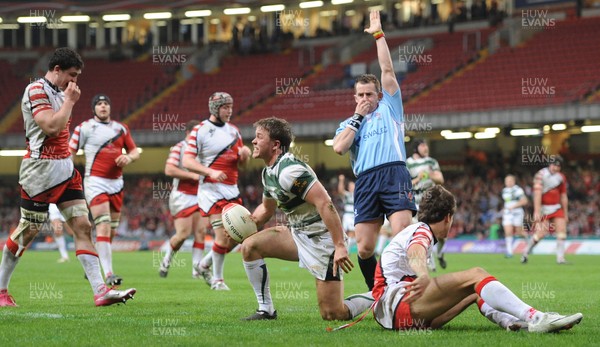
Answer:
(550, 207)
(513, 213)
(183, 204)
(103, 140)
(215, 149)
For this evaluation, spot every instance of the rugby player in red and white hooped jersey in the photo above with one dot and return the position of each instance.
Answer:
(550, 208)
(215, 149)
(103, 141)
(47, 175)
(407, 298)
(183, 205)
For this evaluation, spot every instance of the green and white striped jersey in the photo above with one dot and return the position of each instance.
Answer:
(288, 181)
(415, 167)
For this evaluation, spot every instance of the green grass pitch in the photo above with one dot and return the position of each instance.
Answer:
(56, 306)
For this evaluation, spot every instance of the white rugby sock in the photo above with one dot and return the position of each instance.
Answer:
(502, 299)
(503, 319)
(91, 266)
(105, 254)
(7, 267)
(358, 303)
(258, 275)
(219, 264)
(62, 246)
(440, 248)
(207, 261)
(169, 254)
(560, 250)
(197, 252)
(509, 242)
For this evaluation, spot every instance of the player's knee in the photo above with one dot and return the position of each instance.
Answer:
(250, 249)
(102, 219)
(81, 226)
(479, 273)
(365, 251)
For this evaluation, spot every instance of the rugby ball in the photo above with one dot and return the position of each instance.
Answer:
(237, 222)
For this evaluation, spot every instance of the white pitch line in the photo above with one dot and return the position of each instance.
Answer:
(33, 314)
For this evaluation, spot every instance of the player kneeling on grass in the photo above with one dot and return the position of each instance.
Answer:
(315, 237)
(407, 298)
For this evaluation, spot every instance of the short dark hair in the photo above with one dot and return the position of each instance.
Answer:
(191, 124)
(366, 79)
(436, 204)
(279, 129)
(65, 58)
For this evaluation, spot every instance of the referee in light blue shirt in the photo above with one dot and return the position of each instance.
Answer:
(374, 135)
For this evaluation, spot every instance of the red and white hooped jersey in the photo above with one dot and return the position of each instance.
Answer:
(102, 144)
(176, 159)
(552, 186)
(394, 264)
(39, 96)
(216, 147)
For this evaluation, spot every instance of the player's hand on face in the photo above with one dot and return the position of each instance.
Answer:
(218, 175)
(362, 108)
(374, 23)
(341, 260)
(72, 92)
(415, 289)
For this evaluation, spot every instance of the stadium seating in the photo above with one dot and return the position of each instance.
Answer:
(247, 78)
(446, 55)
(13, 79)
(129, 85)
(563, 59)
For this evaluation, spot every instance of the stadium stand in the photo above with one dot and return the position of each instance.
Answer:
(561, 61)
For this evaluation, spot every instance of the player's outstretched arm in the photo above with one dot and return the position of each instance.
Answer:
(388, 77)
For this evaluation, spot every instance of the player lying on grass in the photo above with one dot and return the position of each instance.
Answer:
(408, 298)
(314, 238)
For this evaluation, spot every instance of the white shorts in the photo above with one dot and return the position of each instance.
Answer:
(315, 249)
(94, 186)
(54, 213)
(37, 176)
(212, 197)
(348, 221)
(385, 308)
(513, 217)
(179, 201)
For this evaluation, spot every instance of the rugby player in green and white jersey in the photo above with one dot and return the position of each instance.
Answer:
(425, 173)
(314, 236)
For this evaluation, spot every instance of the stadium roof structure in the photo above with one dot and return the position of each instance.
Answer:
(100, 6)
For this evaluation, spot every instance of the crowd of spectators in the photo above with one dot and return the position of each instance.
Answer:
(146, 215)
